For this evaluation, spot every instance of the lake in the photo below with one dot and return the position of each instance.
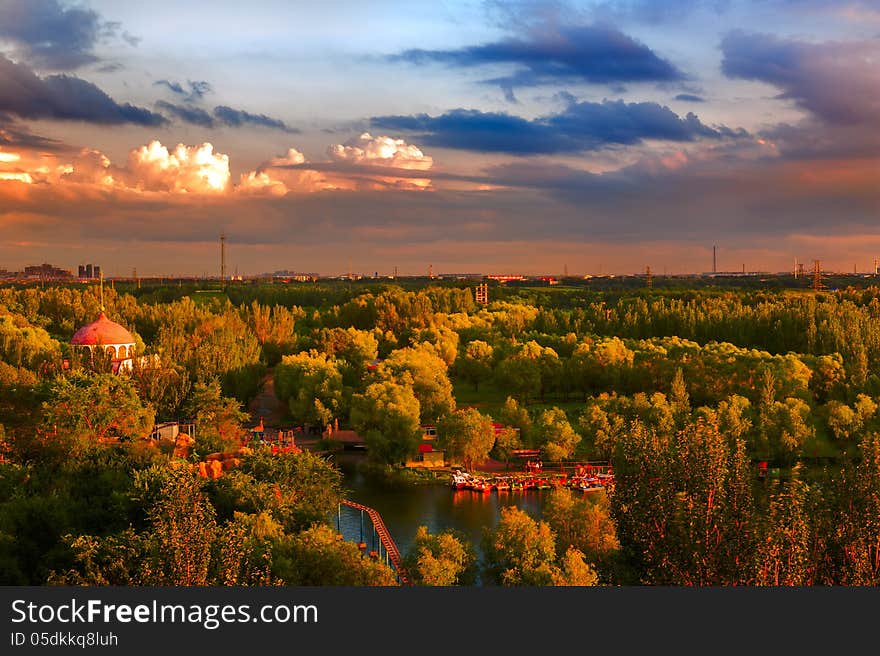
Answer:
(406, 507)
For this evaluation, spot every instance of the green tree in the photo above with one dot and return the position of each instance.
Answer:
(507, 440)
(441, 559)
(96, 407)
(784, 553)
(475, 364)
(466, 435)
(311, 383)
(427, 377)
(583, 523)
(679, 398)
(554, 435)
(387, 415)
(218, 419)
(857, 531)
(521, 551)
(306, 487)
(319, 556)
(512, 414)
(602, 428)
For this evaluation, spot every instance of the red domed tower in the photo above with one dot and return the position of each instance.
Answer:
(109, 336)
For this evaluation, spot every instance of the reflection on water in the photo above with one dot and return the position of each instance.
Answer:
(439, 507)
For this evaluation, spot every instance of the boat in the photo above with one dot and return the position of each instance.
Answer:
(502, 485)
(460, 480)
(480, 485)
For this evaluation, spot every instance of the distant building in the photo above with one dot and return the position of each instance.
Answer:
(47, 272)
(89, 271)
(505, 277)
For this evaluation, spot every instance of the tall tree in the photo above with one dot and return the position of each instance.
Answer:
(443, 559)
(467, 435)
(311, 384)
(387, 414)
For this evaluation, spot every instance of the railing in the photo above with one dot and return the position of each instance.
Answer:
(391, 551)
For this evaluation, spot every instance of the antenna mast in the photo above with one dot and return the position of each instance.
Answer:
(223, 257)
(101, 287)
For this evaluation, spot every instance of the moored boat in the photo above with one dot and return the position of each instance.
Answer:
(460, 480)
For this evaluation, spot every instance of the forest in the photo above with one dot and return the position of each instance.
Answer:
(684, 390)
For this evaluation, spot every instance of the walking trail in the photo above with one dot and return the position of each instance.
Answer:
(266, 405)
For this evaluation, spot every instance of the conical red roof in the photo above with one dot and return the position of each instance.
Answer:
(102, 331)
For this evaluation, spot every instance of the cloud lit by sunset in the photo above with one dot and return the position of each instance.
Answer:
(608, 134)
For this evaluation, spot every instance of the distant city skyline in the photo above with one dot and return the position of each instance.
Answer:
(598, 135)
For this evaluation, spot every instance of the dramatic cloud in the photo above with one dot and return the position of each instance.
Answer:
(382, 151)
(50, 35)
(281, 175)
(16, 135)
(150, 168)
(835, 81)
(553, 53)
(187, 113)
(29, 96)
(580, 127)
(238, 118)
(186, 169)
(196, 89)
(222, 116)
(364, 162)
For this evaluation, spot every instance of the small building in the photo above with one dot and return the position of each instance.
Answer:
(428, 457)
(110, 337)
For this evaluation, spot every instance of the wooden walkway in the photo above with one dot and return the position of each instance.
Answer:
(385, 539)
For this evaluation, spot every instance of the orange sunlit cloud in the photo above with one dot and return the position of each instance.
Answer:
(199, 169)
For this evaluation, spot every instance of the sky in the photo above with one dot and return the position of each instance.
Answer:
(594, 137)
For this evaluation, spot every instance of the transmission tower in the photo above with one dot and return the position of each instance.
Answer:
(223, 257)
(649, 280)
(817, 276)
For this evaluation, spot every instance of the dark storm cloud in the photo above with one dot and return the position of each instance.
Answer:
(15, 135)
(580, 127)
(221, 116)
(187, 113)
(196, 89)
(689, 97)
(27, 95)
(48, 34)
(835, 81)
(587, 53)
(238, 118)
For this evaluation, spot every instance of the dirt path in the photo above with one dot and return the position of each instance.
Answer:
(266, 405)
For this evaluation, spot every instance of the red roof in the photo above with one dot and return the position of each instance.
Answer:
(102, 331)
